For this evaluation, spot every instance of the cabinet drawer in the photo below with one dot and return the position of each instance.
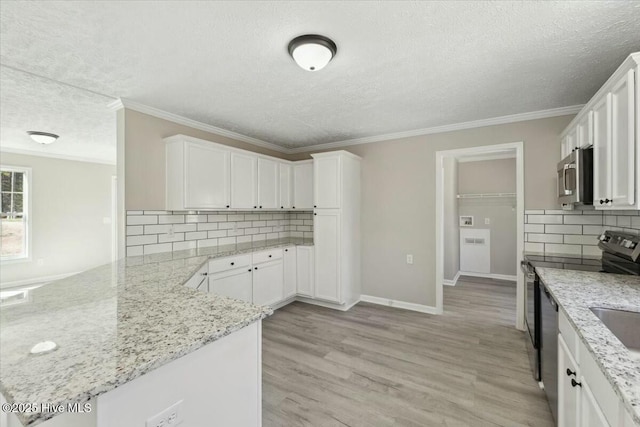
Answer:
(265, 256)
(568, 334)
(228, 263)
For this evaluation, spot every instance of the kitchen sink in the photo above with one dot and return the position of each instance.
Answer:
(624, 324)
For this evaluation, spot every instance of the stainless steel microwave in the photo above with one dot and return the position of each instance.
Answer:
(575, 177)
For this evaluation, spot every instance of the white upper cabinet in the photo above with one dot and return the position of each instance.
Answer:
(244, 180)
(268, 184)
(610, 122)
(602, 151)
(327, 180)
(197, 175)
(303, 185)
(286, 185)
(584, 131)
(623, 143)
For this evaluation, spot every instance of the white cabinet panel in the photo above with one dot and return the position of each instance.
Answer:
(199, 281)
(327, 260)
(305, 270)
(235, 283)
(602, 152)
(303, 185)
(623, 141)
(244, 180)
(568, 395)
(585, 131)
(207, 177)
(289, 272)
(267, 184)
(286, 185)
(590, 413)
(268, 286)
(475, 250)
(326, 182)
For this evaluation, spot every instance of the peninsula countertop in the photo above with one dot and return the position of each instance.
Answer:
(575, 292)
(114, 323)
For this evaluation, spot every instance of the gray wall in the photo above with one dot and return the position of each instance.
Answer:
(492, 176)
(398, 199)
(70, 200)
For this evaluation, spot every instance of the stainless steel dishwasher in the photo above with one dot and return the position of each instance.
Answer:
(549, 350)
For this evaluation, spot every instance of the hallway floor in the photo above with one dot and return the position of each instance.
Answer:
(382, 366)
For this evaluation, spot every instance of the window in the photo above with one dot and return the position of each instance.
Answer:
(14, 215)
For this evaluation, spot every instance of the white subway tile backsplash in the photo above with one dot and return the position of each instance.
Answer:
(591, 251)
(581, 239)
(142, 240)
(543, 219)
(141, 219)
(534, 228)
(563, 229)
(133, 230)
(623, 221)
(583, 219)
(148, 231)
(562, 249)
(534, 247)
(610, 220)
(593, 229)
(538, 238)
(534, 212)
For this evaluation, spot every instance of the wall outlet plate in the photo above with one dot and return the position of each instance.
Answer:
(409, 259)
(487, 221)
(172, 416)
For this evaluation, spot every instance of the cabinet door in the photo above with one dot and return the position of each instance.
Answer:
(623, 142)
(289, 269)
(303, 186)
(244, 180)
(207, 177)
(326, 182)
(267, 184)
(304, 270)
(568, 395)
(585, 130)
(199, 280)
(327, 255)
(233, 284)
(268, 286)
(286, 185)
(602, 152)
(590, 413)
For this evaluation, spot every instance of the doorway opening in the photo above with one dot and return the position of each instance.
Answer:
(480, 220)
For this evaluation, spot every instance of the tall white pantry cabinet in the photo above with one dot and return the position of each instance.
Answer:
(337, 227)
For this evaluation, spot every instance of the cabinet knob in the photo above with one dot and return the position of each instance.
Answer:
(314, 206)
(577, 148)
(255, 207)
(249, 270)
(607, 200)
(286, 250)
(281, 207)
(233, 263)
(227, 206)
(269, 256)
(570, 372)
(601, 201)
(204, 274)
(315, 213)
(575, 383)
(293, 207)
(255, 268)
(260, 207)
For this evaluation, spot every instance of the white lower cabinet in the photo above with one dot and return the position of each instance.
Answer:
(289, 272)
(326, 239)
(305, 270)
(268, 286)
(585, 396)
(237, 283)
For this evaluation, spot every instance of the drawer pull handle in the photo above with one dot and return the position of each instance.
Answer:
(575, 383)
(570, 372)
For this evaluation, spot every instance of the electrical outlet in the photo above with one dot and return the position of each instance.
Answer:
(409, 259)
(172, 416)
(487, 221)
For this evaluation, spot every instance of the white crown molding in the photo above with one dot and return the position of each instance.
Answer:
(513, 118)
(57, 156)
(132, 105)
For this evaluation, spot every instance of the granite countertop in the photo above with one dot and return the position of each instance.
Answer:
(114, 323)
(575, 292)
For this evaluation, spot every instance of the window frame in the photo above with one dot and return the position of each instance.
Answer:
(26, 201)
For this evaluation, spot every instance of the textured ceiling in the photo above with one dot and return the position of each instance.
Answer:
(400, 65)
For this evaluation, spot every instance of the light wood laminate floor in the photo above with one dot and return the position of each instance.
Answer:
(381, 366)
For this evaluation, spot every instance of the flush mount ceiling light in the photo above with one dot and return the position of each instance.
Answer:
(42, 137)
(312, 52)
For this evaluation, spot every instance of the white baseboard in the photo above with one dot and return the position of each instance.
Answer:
(35, 281)
(489, 275)
(283, 303)
(452, 282)
(326, 304)
(400, 304)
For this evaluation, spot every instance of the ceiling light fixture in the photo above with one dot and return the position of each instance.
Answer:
(42, 137)
(312, 52)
